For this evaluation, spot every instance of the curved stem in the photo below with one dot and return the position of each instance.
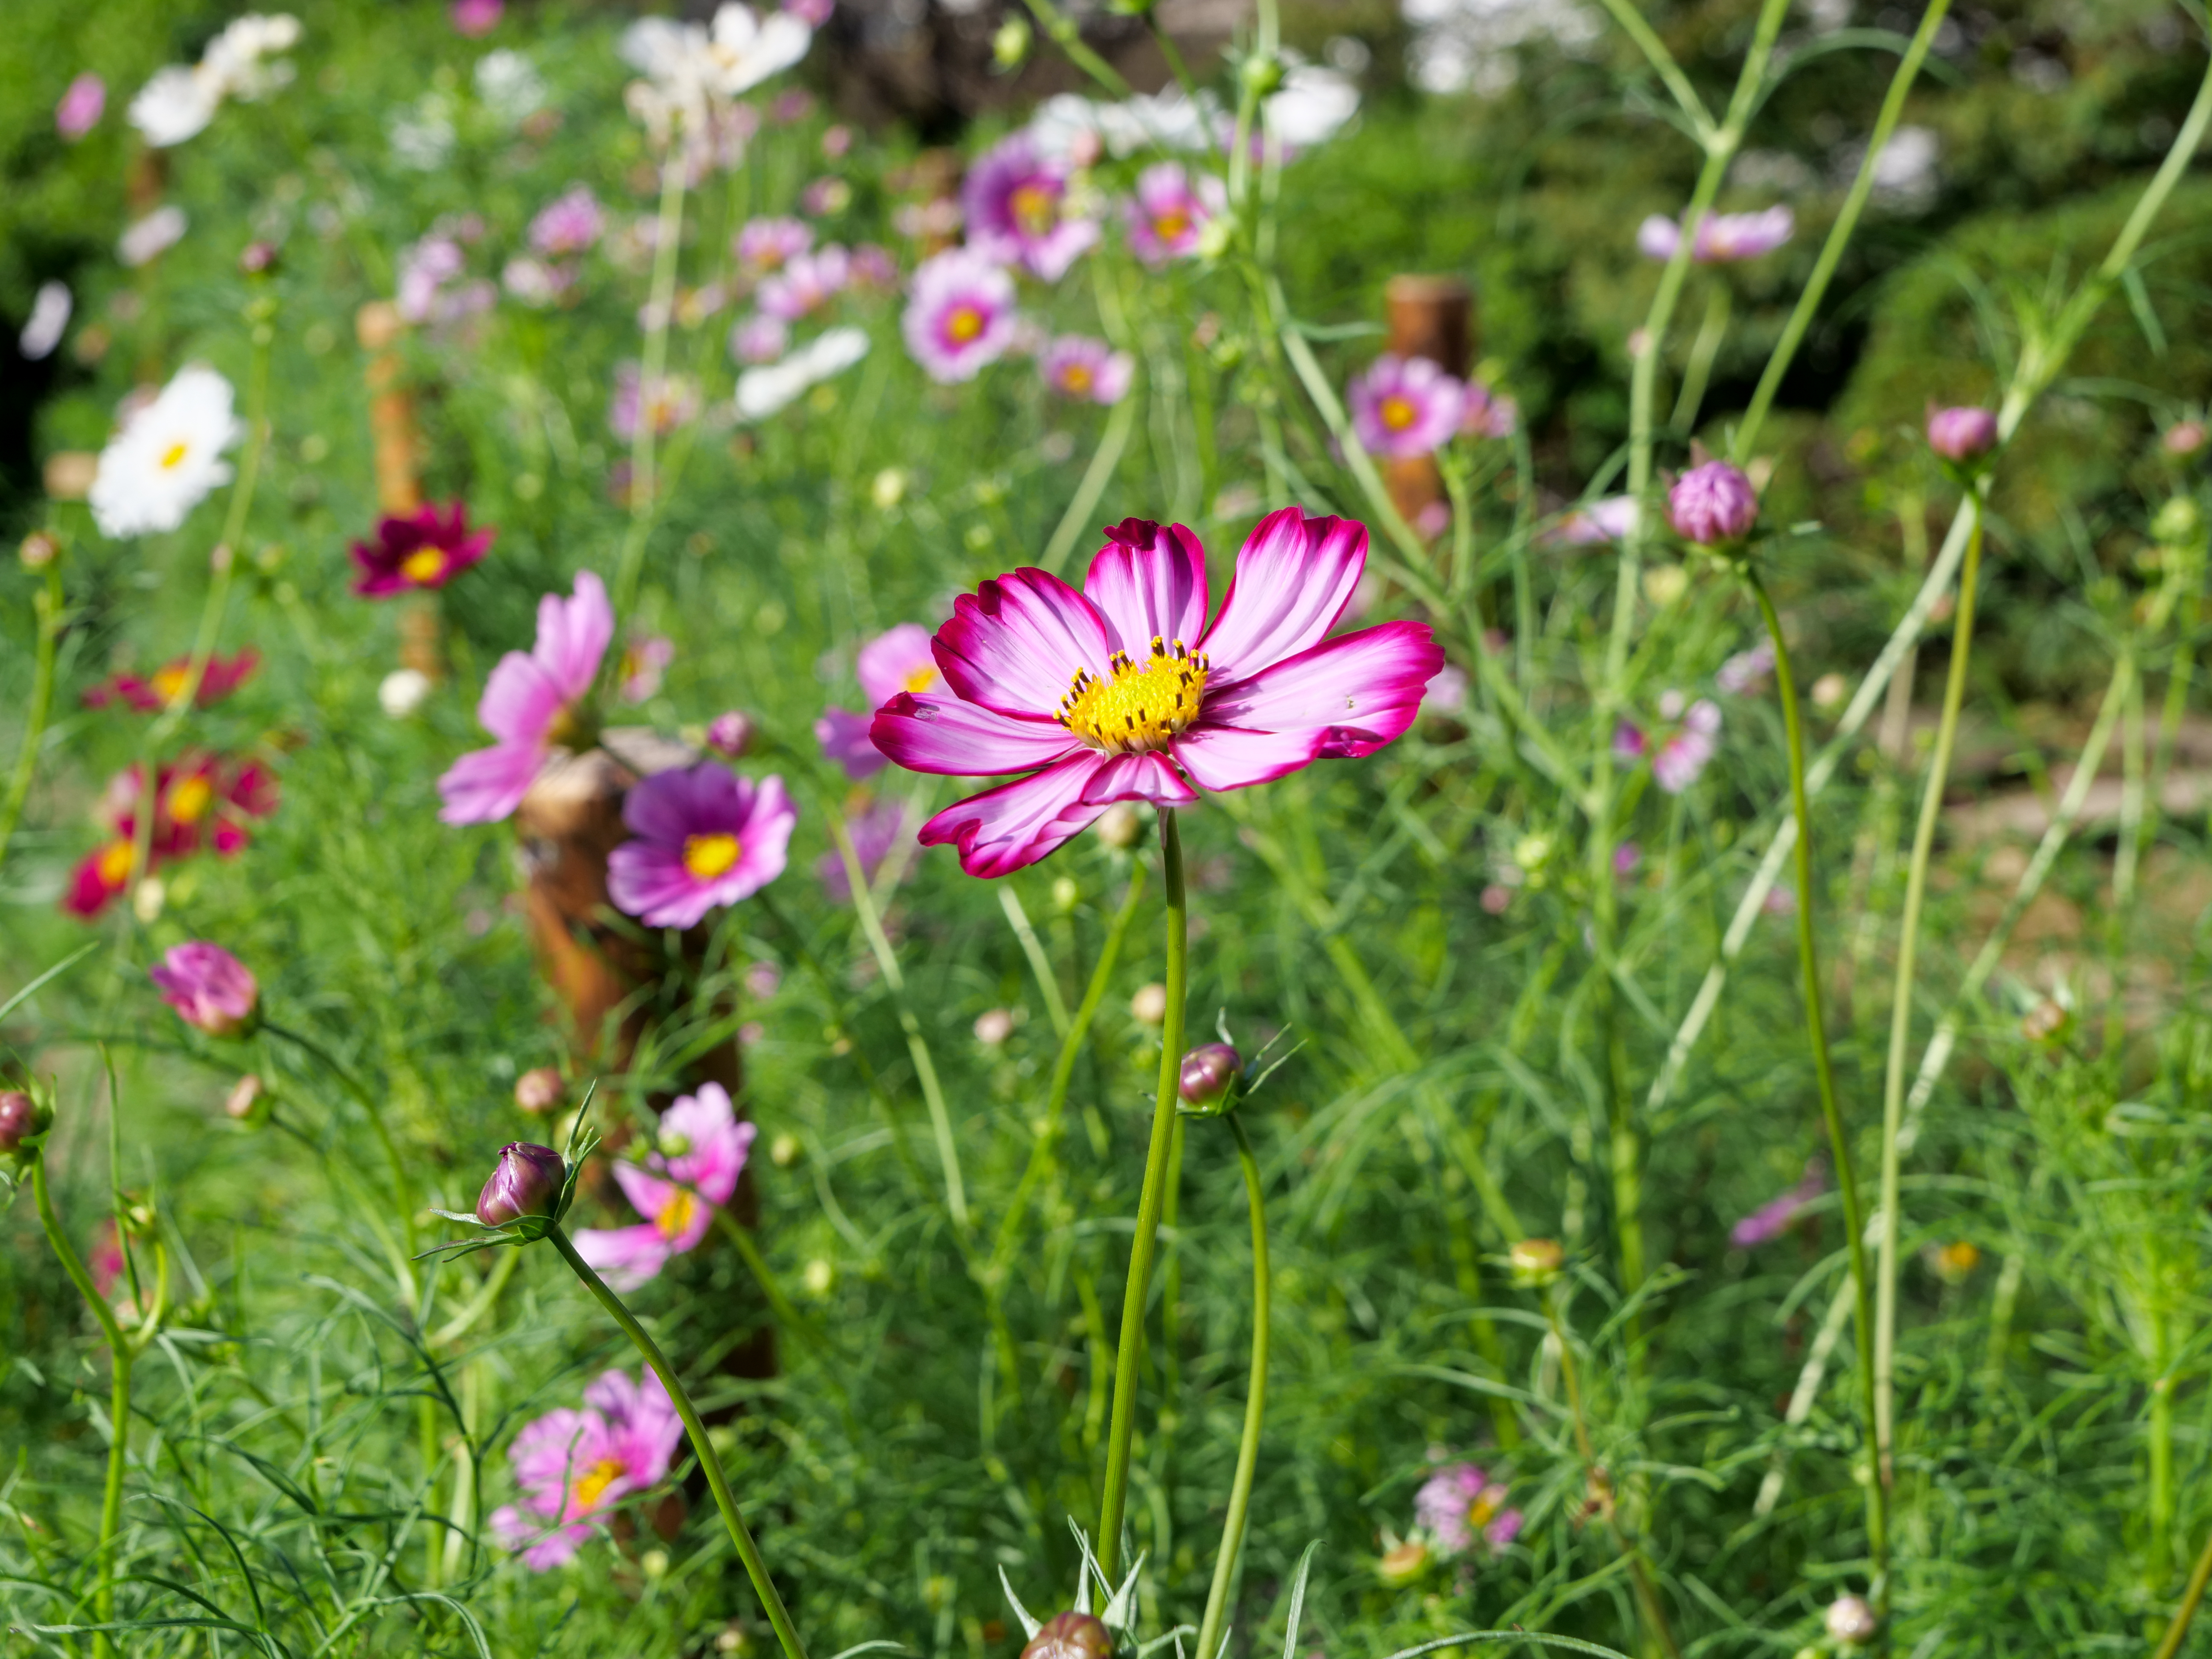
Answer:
(48, 605)
(1900, 1016)
(702, 1447)
(1255, 1402)
(644, 486)
(1809, 963)
(2185, 1615)
(1122, 1423)
(119, 1402)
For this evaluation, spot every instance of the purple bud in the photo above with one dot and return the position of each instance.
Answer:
(1712, 504)
(730, 734)
(1207, 1074)
(1961, 434)
(528, 1183)
(1071, 1636)
(21, 1117)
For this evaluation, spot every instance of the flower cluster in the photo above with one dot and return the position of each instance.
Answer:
(242, 62)
(690, 1171)
(1689, 742)
(200, 802)
(574, 1467)
(1460, 1508)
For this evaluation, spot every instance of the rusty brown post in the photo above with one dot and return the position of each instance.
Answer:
(1430, 317)
(398, 451)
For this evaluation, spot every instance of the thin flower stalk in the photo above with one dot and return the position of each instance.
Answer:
(47, 603)
(702, 1447)
(925, 1068)
(1839, 1144)
(1122, 1428)
(644, 488)
(2176, 1633)
(1056, 1006)
(1210, 1633)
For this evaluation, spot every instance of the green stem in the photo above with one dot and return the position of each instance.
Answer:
(644, 491)
(48, 605)
(702, 1447)
(1809, 963)
(1255, 1403)
(1040, 964)
(1096, 476)
(368, 1103)
(2185, 1613)
(119, 1402)
(1122, 1425)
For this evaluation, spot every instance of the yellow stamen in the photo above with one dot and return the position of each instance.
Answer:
(174, 456)
(592, 1485)
(1141, 705)
(1076, 377)
(115, 861)
(921, 679)
(1397, 413)
(1170, 227)
(190, 800)
(964, 324)
(171, 680)
(1034, 208)
(678, 1214)
(709, 856)
(424, 566)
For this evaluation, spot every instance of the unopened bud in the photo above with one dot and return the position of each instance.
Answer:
(528, 1183)
(21, 1118)
(783, 1151)
(1262, 73)
(1120, 825)
(1400, 1566)
(1150, 1006)
(2178, 522)
(258, 258)
(1536, 1262)
(1209, 1076)
(2047, 1022)
(993, 1026)
(1963, 434)
(244, 1099)
(1010, 45)
(1713, 505)
(1071, 1636)
(2183, 438)
(539, 1089)
(39, 550)
(730, 734)
(1850, 1620)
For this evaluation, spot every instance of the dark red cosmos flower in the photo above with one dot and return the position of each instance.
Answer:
(151, 696)
(204, 801)
(425, 549)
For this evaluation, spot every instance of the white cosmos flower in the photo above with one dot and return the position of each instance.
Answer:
(1313, 104)
(747, 49)
(167, 457)
(510, 85)
(175, 105)
(237, 57)
(762, 391)
(49, 315)
(152, 236)
(692, 69)
(1066, 124)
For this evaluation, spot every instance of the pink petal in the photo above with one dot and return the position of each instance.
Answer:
(573, 636)
(886, 662)
(1150, 582)
(648, 880)
(519, 702)
(626, 1257)
(964, 739)
(1145, 777)
(844, 739)
(1363, 690)
(1294, 577)
(690, 800)
(1011, 827)
(487, 785)
(1229, 757)
(1015, 643)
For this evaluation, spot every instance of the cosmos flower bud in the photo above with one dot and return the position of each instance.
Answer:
(993, 1026)
(209, 987)
(528, 1183)
(1961, 434)
(2178, 522)
(1209, 1075)
(2183, 438)
(22, 1117)
(1536, 1262)
(1850, 1620)
(1149, 1004)
(1403, 1563)
(258, 258)
(539, 1089)
(730, 734)
(1120, 825)
(1071, 1636)
(1712, 505)
(40, 549)
(243, 1101)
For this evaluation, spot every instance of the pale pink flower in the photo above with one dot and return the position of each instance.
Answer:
(570, 223)
(1747, 670)
(475, 17)
(81, 108)
(759, 339)
(1682, 757)
(1713, 504)
(644, 661)
(806, 284)
(1168, 216)
(765, 244)
(1459, 1503)
(1607, 520)
(960, 316)
(575, 1465)
(1086, 370)
(700, 1152)
(1406, 406)
(531, 703)
(1489, 414)
(1019, 213)
(1961, 434)
(1722, 239)
(667, 403)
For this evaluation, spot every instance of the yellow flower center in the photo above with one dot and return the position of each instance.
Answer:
(678, 1214)
(1397, 413)
(174, 456)
(592, 1485)
(922, 678)
(709, 856)
(190, 800)
(964, 325)
(1170, 227)
(1034, 208)
(171, 680)
(115, 861)
(1482, 1511)
(423, 566)
(1141, 705)
(1076, 377)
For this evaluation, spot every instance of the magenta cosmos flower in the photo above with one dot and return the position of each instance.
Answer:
(1018, 211)
(1459, 1503)
(208, 987)
(573, 1466)
(897, 659)
(81, 108)
(1089, 370)
(961, 315)
(1124, 692)
(1406, 406)
(426, 549)
(1168, 215)
(532, 703)
(704, 837)
(1722, 239)
(700, 1152)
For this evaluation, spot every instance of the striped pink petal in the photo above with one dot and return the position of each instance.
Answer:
(1294, 577)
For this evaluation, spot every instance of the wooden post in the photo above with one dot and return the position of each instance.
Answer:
(1430, 317)
(378, 326)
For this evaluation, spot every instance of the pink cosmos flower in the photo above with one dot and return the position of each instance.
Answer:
(1016, 205)
(873, 267)
(1713, 504)
(1682, 757)
(875, 832)
(1458, 1502)
(759, 339)
(573, 1466)
(826, 197)
(1168, 215)
(701, 1152)
(667, 403)
(1746, 670)
(425, 269)
(537, 283)
(1723, 238)
(569, 224)
(209, 987)
(475, 17)
(961, 315)
(530, 703)
(1489, 414)
(846, 742)
(897, 659)
(705, 837)
(427, 549)
(765, 244)
(1124, 692)
(1089, 370)
(644, 661)
(81, 108)
(1771, 1219)
(1607, 520)
(1403, 406)
(806, 284)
